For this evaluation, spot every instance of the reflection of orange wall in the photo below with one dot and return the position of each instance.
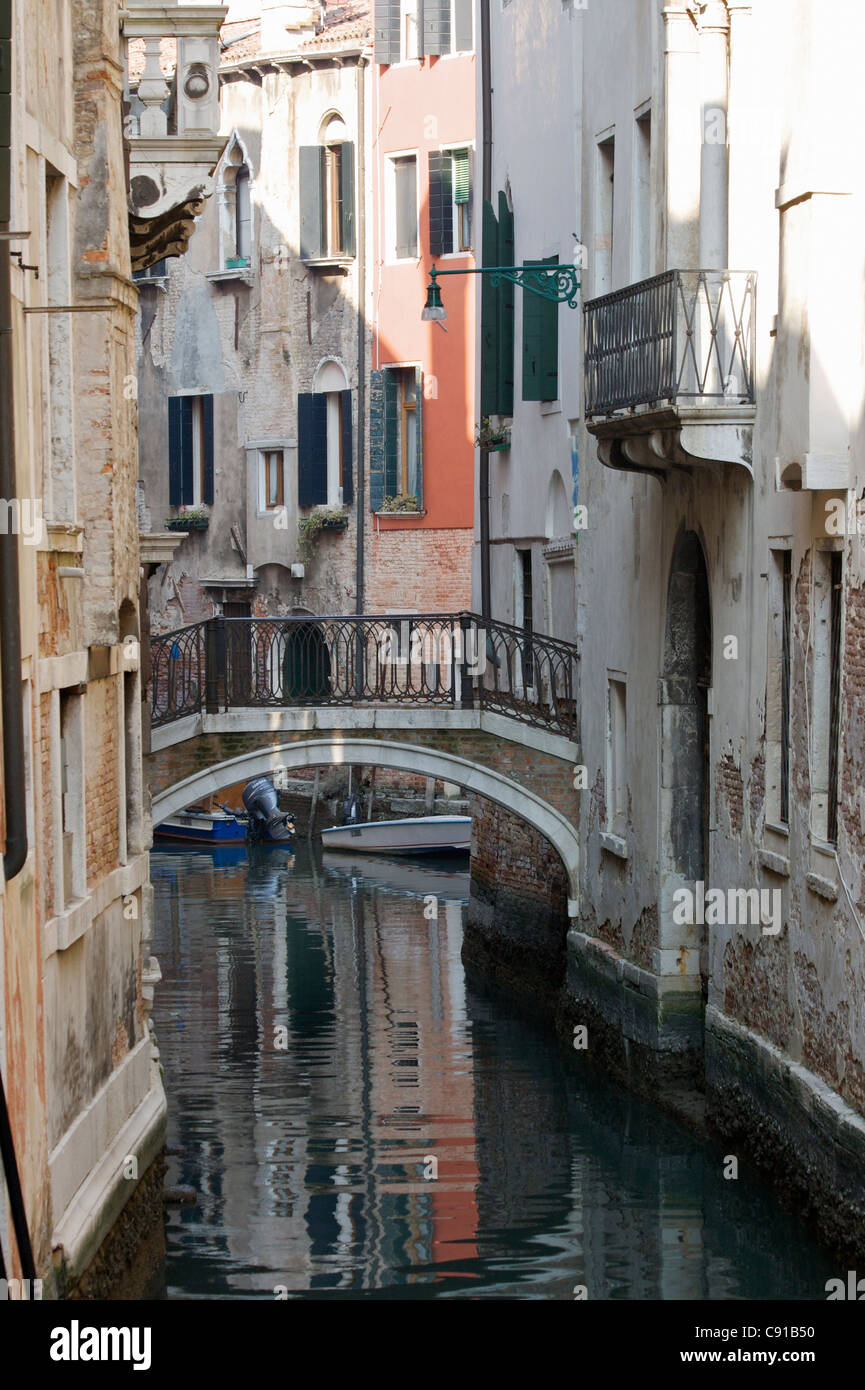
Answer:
(421, 107)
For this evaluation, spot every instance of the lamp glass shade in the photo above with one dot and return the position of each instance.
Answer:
(433, 311)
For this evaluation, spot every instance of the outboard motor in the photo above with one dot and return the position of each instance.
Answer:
(266, 821)
(351, 810)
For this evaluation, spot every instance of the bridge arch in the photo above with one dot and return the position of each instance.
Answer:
(404, 757)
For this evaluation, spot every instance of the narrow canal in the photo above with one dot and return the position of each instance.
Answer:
(356, 1118)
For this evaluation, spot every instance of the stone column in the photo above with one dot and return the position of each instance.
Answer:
(681, 136)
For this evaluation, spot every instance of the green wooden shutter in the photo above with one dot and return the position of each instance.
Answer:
(391, 433)
(311, 190)
(418, 376)
(462, 175)
(175, 481)
(436, 26)
(187, 484)
(441, 230)
(387, 22)
(489, 315)
(376, 440)
(347, 461)
(540, 345)
(207, 446)
(505, 327)
(347, 172)
(311, 449)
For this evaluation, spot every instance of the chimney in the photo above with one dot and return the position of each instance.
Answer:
(284, 23)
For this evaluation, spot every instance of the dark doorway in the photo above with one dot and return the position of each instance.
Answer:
(685, 681)
(238, 640)
(306, 666)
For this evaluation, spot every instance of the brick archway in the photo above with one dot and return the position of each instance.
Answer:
(406, 757)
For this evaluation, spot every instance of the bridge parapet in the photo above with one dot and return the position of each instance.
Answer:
(455, 661)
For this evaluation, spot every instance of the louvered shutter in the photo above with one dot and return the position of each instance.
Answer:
(311, 188)
(207, 449)
(311, 449)
(490, 295)
(391, 434)
(505, 329)
(347, 172)
(376, 440)
(347, 460)
(440, 206)
(436, 26)
(175, 481)
(187, 482)
(463, 35)
(387, 22)
(418, 376)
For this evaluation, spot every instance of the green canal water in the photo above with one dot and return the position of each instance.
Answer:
(357, 1119)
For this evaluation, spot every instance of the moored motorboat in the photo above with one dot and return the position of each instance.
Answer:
(413, 835)
(202, 828)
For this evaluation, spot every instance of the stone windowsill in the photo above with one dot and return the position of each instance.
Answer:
(775, 863)
(234, 272)
(400, 515)
(343, 263)
(614, 844)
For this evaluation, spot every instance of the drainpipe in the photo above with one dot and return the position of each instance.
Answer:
(10, 630)
(360, 501)
(487, 140)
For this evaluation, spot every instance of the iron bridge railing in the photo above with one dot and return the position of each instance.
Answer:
(455, 661)
(684, 335)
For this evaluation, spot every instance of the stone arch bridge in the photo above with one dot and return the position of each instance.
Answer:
(486, 706)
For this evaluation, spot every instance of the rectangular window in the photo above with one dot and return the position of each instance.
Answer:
(72, 796)
(410, 34)
(524, 609)
(327, 201)
(324, 449)
(190, 451)
(404, 204)
(157, 271)
(641, 231)
(396, 435)
(450, 201)
(540, 344)
(617, 757)
(606, 165)
(274, 478)
(778, 690)
(826, 685)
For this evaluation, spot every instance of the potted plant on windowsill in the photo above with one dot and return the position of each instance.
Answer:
(311, 526)
(193, 520)
(493, 439)
(402, 502)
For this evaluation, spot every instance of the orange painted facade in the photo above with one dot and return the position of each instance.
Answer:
(419, 107)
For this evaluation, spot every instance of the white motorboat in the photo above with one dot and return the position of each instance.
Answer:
(414, 835)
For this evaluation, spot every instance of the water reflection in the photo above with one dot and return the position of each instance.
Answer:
(355, 1119)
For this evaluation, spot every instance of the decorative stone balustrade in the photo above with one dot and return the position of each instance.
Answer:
(172, 124)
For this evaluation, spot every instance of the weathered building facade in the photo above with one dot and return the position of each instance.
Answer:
(712, 413)
(251, 348)
(86, 1102)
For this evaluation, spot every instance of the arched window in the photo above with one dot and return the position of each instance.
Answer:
(235, 213)
(242, 213)
(327, 194)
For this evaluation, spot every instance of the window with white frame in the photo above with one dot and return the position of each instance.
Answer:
(617, 756)
(409, 30)
(403, 219)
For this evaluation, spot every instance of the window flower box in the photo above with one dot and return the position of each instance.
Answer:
(491, 439)
(311, 526)
(188, 521)
(404, 502)
(236, 262)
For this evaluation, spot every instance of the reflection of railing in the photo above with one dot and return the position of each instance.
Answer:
(684, 335)
(455, 661)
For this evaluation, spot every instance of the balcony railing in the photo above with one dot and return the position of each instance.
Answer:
(455, 661)
(684, 336)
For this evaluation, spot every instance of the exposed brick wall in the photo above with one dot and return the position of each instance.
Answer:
(429, 571)
(101, 778)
